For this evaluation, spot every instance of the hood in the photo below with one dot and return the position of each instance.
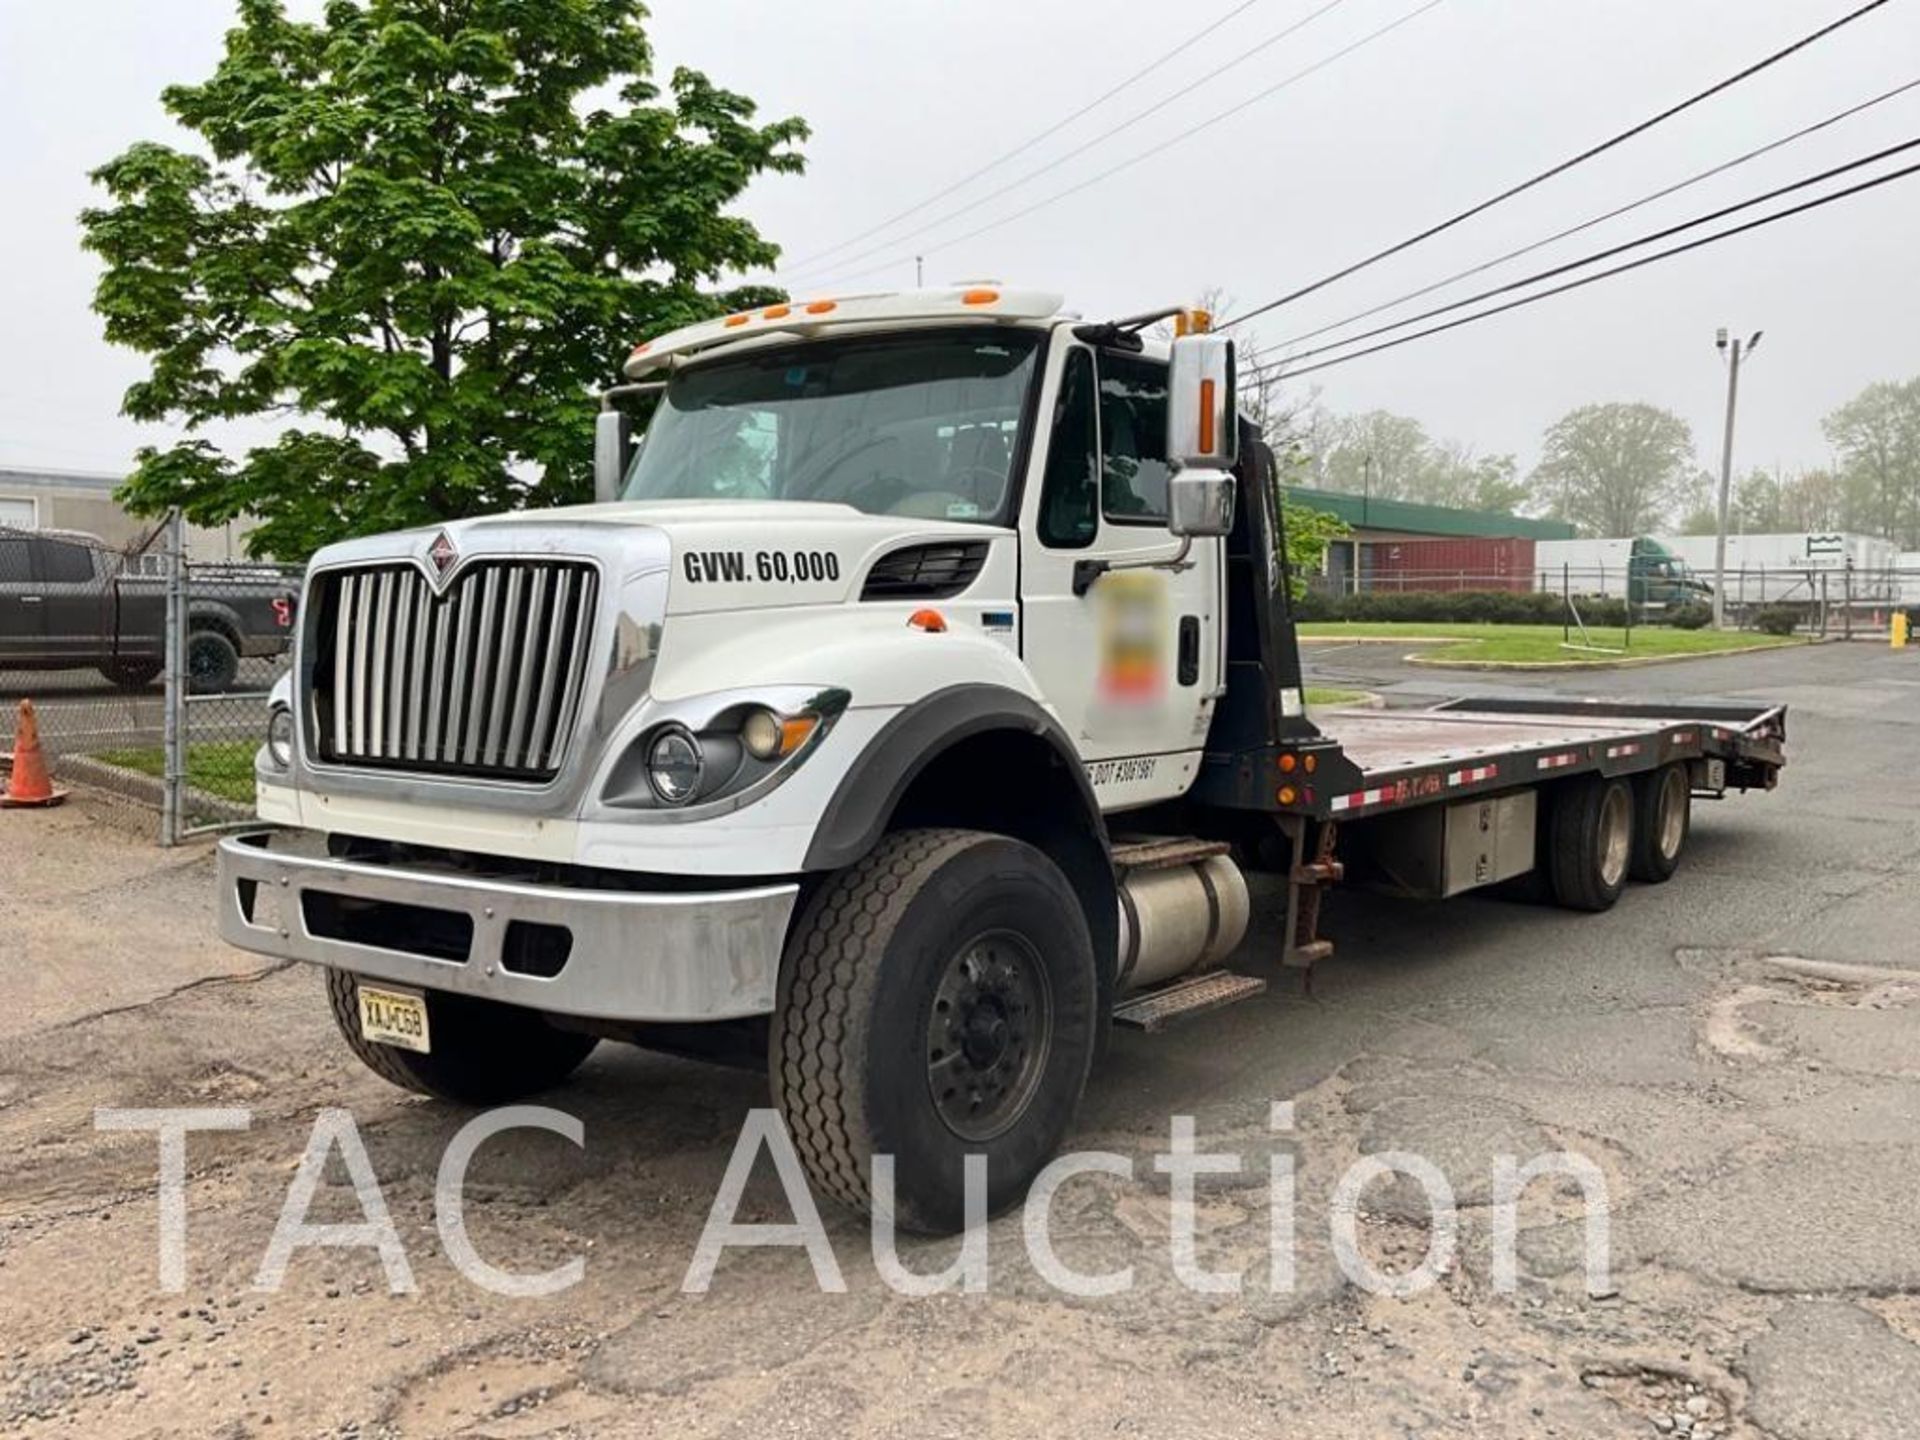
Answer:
(753, 554)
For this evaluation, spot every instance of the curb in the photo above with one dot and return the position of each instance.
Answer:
(1362, 700)
(1630, 662)
(146, 789)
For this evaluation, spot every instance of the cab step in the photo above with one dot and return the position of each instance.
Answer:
(1163, 852)
(1184, 999)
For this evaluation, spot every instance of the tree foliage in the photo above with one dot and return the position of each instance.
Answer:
(426, 230)
(1877, 434)
(1392, 457)
(1617, 469)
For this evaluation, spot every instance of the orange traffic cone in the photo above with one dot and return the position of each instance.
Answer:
(29, 783)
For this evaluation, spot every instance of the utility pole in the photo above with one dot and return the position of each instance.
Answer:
(1731, 352)
(919, 272)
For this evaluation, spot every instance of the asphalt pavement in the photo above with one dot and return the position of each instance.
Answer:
(1734, 1052)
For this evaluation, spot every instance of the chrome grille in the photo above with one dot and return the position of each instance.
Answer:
(485, 680)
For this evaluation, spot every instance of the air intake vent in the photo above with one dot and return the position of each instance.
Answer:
(926, 572)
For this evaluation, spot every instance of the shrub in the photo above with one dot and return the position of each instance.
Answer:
(1689, 615)
(1777, 619)
(1460, 607)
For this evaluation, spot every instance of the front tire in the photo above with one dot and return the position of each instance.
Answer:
(938, 999)
(1662, 820)
(484, 1053)
(1590, 842)
(131, 674)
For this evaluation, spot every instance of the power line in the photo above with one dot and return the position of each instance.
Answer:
(1031, 141)
(1564, 165)
(1613, 214)
(1594, 258)
(1365, 40)
(1598, 276)
(1100, 139)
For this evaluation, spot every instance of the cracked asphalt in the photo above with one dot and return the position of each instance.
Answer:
(1735, 1051)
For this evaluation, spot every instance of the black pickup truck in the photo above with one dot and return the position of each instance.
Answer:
(69, 601)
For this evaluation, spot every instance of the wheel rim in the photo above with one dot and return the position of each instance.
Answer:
(988, 1034)
(1616, 836)
(203, 660)
(1673, 813)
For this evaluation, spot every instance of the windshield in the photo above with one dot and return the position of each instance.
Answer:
(922, 426)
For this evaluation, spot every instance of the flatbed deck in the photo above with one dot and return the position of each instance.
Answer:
(1486, 744)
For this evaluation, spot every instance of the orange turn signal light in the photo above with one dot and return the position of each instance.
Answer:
(776, 312)
(823, 307)
(1288, 795)
(734, 321)
(794, 732)
(931, 621)
(980, 297)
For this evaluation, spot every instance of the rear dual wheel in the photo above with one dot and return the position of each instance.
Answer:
(1662, 820)
(1603, 832)
(1590, 842)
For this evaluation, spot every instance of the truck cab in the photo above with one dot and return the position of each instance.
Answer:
(899, 717)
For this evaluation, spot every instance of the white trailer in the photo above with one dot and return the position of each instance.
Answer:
(1797, 568)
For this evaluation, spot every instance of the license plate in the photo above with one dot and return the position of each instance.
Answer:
(395, 1017)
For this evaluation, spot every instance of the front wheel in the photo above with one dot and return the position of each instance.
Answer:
(938, 999)
(484, 1053)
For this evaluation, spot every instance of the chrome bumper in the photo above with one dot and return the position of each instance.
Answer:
(628, 955)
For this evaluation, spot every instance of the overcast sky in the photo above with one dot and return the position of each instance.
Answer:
(906, 96)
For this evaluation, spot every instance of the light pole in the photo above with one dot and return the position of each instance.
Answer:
(1730, 352)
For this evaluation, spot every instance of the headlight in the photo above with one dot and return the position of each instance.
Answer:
(280, 736)
(768, 736)
(675, 764)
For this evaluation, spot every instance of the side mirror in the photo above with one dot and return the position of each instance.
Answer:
(1203, 419)
(1200, 504)
(612, 448)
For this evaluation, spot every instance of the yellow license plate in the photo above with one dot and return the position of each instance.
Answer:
(395, 1017)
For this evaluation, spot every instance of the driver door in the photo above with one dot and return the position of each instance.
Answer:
(1128, 658)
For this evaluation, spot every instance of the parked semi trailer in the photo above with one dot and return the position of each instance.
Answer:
(904, 715)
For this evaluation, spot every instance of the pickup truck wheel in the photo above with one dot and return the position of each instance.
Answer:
(484, 1053)
(937, 1000)
(1590, 846)
(131, 674)
(212, 662)
(1662, 818)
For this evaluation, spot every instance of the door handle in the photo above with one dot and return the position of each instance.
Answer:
(1189, 649)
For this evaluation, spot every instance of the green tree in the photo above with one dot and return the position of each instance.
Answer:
(1617, 469)
(1878, 436)
(427, 228)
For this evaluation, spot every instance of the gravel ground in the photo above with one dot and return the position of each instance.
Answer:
(1754, 1118)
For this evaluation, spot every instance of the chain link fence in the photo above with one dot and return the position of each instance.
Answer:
(1824, 601)
(148, 671)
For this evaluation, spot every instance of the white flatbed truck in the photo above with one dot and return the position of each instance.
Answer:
(901, 717)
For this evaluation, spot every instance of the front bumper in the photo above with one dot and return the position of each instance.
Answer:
(603, 954)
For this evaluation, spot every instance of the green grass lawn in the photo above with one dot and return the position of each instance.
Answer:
(223, 768)
(1323, 698)
(1543, 643)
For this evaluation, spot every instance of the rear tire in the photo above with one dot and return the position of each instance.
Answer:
(213, 661)
(1662, 820)
(484, 1053)
(937, 999)
(1590, 842)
